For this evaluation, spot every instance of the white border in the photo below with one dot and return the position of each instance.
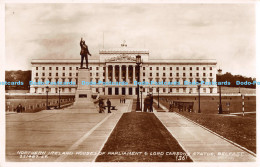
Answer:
(67, 164)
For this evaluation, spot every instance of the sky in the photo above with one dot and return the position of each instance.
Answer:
(225, 32)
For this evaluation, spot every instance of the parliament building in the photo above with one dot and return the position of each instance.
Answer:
(119, 65)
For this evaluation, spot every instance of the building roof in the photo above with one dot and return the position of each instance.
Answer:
(151, 61)
(124, 50)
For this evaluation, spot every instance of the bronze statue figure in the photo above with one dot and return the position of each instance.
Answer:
(84, 53)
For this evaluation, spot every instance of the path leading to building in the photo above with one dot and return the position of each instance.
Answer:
(60, 136)
(202, 145)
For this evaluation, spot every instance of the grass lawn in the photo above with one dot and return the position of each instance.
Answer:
(144, 133)
(239, 129)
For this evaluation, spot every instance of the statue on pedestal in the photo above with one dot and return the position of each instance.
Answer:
(84, 53)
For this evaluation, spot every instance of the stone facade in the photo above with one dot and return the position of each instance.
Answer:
(118, 65)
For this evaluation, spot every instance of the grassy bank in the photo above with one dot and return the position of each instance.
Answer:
(141, 132)
(239, 129)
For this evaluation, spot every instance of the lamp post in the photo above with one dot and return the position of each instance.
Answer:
(158, 89)
(138, 62)
(220, 105)
(141, 97)
(59, 97)
(47, 91)
(243, 104)
(199, 86)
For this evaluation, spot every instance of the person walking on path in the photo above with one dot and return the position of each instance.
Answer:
(101, 105)
(151, 103)
(108, 105)
(19, 108)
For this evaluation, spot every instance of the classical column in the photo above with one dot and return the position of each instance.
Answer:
(120, 73)
(126, 76)
(113, 73)
(106, 90)
(133, 73)
(106, 73)
(119, 90)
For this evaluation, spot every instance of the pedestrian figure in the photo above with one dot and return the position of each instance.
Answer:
(19, 108)
(120, 99)
(151, 103)
(108, 105)
(101, 105)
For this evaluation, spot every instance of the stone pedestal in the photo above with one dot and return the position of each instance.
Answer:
(83, 96)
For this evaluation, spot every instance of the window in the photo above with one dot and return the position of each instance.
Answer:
(43, 68)
(63, 79)
(151, 68)
(151, 74)
(190, 68)
(36, 74)
(164, 80)
(184, 68)
(36, 80)
(204, 68)
(164, 90)
(77, 68)
(104, 74)
(97, 68)
(63, 74)
(90, 74)
(70, 80)
(57, 68)
(164, 68)
(190, 80)
(211, 90)
(197, 68)
(177, 68)
(36, 68)
(104, 80)
(97, 74)
(170, 74)
(157, 80)
(177, 74)
(143, 68)
(157, 74)
(49, 74)
(143, 74)
(204, 74)
(43, 80)
(197, 74)
(184, 89)
(49, 68)
(70, 74)
(211, 80)
(57, 80)
(77, 74)
(184, 74)
(144, 80)
(90, 68)
(164, 74)
(177, 90)
(43, 74)
(104, 68)
(70, 68)
(63, 68)
(157, 68)
(210, 68)
(190, 74)
(170, 68)
(210, 74)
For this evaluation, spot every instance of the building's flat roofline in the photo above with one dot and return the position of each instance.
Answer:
(153, 61)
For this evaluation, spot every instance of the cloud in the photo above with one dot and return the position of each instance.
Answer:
(211, 31)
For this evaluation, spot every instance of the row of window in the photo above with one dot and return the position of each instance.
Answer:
(151, 74)
(177, 74)
(104, 68)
